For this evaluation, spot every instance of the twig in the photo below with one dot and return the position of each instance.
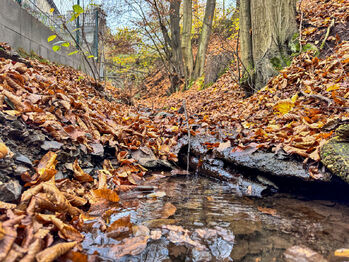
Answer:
(320, 97)
(187, 123)
(300, 27)
(327, 34)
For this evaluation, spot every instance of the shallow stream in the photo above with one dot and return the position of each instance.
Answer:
(212, 223)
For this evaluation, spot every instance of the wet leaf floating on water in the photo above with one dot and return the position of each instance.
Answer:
(343, 252)
(157, 194)
(302, 253)
(106, 194)
(268, 211)
(168, 210)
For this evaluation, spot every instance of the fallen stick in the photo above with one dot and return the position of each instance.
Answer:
(327, 34)
(320, 97)
(187, 123)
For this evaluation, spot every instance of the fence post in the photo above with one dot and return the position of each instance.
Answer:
(96, 35)
(19, 2)
(78, 31)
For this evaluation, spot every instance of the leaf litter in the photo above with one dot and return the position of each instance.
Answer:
(293, 113)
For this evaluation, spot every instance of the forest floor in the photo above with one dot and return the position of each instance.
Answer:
(72, 156)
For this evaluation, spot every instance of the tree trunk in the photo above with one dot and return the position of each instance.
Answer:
(176, 37)
(186, 38)
(266, 27)
(204, 38)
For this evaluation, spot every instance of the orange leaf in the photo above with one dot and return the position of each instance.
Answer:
(3, 150)
(79, 174)
(106, 194)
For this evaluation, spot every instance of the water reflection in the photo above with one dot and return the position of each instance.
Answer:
(257, 229)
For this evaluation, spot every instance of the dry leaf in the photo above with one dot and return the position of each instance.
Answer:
(106, 194)
(168, 210)
(268, 211)
(3, 150)
(51, 253)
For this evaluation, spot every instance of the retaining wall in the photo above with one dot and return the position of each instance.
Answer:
(21, 30)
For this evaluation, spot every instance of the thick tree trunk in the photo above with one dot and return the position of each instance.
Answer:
(204, 38)
(186, 38)
(266, 28)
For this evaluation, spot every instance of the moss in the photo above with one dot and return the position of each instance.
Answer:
(335, 153)
(32, 55)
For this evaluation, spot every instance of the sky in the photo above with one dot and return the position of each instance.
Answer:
(112, 22)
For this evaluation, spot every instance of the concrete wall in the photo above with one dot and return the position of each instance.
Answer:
(22, 30)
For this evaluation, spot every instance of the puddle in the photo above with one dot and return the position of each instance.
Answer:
(213, 224)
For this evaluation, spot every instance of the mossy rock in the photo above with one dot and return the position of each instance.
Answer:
(335, 153)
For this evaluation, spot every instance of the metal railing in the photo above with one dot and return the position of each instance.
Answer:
(88, 22)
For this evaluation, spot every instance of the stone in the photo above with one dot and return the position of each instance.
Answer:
(10, 191)
(335, 153)
(20, 169)
(163, 115)
(302, 254)
(23, 159)
(145, 157)
(98, 149)
(51, 145)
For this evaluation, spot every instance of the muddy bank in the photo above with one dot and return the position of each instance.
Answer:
(28, 145)
(257, 172)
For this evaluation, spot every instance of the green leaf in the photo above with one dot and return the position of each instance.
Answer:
(56, 48)
(66, 44)
(78, 9)
(74, 52)
(51, 38)
(73, 17)
(90, 56)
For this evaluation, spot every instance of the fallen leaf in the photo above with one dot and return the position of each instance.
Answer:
(168, 210)
(106, 194)
(3, 150)
(157, 194)
(51, 253)
(268, 211)
(343, 252)
(284, 106)
(79, 174)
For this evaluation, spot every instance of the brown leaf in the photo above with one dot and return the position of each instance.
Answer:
(129, 246)
(4, 205)
(47, 166)
(3, 150)
(66, 231)
(106, 194)
(10, 235)
(120, 228)
(79, 174)
(168, 210)
(51, 253)
(33, 249)
(266, 210)
(58, 198)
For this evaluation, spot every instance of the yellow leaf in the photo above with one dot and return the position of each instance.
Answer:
(294, 98)
(343, 252)
(284, 106)
(332, 87)
(52, 10)
(3, 150)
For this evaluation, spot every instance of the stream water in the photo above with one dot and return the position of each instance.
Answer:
(212, 223)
